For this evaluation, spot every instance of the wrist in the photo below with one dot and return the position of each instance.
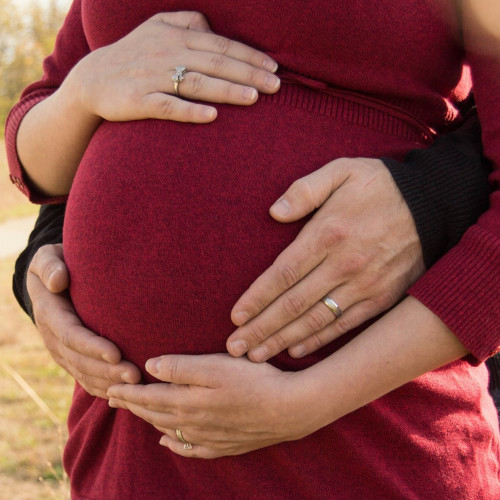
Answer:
(76, 97)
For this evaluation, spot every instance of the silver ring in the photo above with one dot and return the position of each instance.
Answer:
(333, 306)
(180, 71)
(180, 437)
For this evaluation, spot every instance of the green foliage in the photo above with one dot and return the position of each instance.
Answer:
(27, 36)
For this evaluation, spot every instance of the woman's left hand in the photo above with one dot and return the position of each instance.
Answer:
(223, 405)
(361, 249)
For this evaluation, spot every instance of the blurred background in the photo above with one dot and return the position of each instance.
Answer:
(34, 392)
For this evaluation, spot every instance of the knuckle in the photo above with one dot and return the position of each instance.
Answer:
(281, 341)
(196, 18)
(317, 319)
(301, 188)
(332, 235)
(317, 341)
(228, 92)
(167, 108)
(293, 304)
(143, 401)
(223, 45)
(343, 325)
(257, 333)
(254, 75)
(172, 370)
(66, 339)
(286, 276)
(83, 379)
(218, 62)
(197, 83)
(355, 263)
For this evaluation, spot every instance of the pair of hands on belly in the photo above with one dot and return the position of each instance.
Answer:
(360, 248)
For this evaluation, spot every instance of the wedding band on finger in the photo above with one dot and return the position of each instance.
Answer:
(333, 306)
(177, 78)
(180, 437)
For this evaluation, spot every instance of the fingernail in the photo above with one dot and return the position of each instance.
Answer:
(105, 357)
(52, 274)
(112, 403)
(125, 376)
(238, 347)
(210, 113)
(272, 82)
(270, 65)
(297, 351)
(163, 440)
(153, 366)
(249, 94)
(260, 353)
(281, 208)
(241, 317)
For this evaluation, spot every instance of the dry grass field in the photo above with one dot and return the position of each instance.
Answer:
(32, 432)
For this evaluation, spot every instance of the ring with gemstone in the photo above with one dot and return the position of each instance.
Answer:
(180, 437)
(178, 77)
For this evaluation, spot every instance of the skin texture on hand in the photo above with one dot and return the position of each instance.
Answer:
(129, 79)
(361, 248)
(93, 361)
(226, 405)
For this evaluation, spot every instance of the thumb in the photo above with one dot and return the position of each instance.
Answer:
(309, 192)
(187, 369)
(195, 21)
(48, 264)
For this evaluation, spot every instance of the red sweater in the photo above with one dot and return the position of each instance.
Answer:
(175, 215)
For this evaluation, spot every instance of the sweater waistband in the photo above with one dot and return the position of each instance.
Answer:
(351, 107)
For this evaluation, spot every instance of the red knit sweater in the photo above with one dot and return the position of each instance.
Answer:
(167, 225)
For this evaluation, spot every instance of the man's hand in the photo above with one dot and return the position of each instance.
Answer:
(361, 249)
(93, 361)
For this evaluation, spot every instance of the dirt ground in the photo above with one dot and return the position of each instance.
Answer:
(31, 441)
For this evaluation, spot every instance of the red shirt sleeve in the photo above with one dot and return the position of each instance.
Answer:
(71, 46)
(463, 288)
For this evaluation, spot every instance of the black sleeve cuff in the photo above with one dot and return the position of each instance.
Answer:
(445, 186)
(48, 230)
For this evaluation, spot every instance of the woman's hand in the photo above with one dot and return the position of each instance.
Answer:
(223, 405)
(93, 361)
(132, 78)
(360, 248)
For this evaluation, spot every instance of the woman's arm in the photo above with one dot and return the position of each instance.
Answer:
(228, 406)
(127, 80)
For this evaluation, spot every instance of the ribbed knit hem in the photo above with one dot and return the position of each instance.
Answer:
(466, 276)
(355, 109)
(17, 173)
(445, 187)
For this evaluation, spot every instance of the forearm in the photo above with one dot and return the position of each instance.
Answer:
(404, 344)
(61, 121)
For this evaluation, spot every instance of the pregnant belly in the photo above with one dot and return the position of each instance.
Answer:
(167, 223)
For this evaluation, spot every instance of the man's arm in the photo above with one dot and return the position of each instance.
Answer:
(48, 230)
(445, 187)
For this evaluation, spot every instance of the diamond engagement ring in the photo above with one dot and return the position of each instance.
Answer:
(178, 77)
(180, 437)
